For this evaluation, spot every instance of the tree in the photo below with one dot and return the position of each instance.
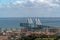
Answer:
(37, 39)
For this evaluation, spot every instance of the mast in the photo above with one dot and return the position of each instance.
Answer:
(30, 23)
(37, 22)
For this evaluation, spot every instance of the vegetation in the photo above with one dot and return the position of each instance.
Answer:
(39, 37)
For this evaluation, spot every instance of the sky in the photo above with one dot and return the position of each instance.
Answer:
(29, 8)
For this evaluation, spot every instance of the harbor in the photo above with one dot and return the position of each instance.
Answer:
(32, 29)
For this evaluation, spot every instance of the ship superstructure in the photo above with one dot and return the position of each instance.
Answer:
(31, 23)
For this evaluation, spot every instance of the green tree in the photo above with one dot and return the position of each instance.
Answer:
(37, 39)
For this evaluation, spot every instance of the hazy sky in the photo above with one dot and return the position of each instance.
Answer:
(29, 8)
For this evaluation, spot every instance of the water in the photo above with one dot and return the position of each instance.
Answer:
(15, 22)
